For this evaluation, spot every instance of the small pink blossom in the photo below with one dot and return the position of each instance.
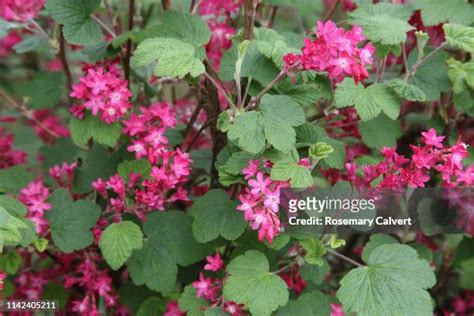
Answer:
(214, 263)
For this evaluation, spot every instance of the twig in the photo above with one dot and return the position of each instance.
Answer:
(104, 26)
(166, 4)
(128, 49)
(26, 113)
(286, 267)
(421, 62)
(272, 17)
(193, 117)
(405, 60)
(221, 90)
(249, 11)
(343, 257)
(199, 132)
(331, 10)
(62, 57)
(268, 87)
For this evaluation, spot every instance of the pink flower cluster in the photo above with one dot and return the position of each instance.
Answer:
(462, 304)
(210, 288)
(20, 10)
(172, 309)
(94, 283)
(104, 92)
(219, 7)
(50, 128)
(398, 172)
(335, 51)
(260, 201)
(220, 25)
(170, 167)
(63, 174)
(34, 196)
(9, 156)
(7, 43)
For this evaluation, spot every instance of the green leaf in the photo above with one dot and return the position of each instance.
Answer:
(432, 76)
(71, 222)
(460, 36)
(272, 45)
(313, 303)
(13, 206)
(142, 166)
(63, 150)
(10, 262)
(461, 74)
(315, 251)
(385, 29)
(248, 131)
(175, 58)
(44, 90)
(79, 28)
(319, 151)
(55, 292)
(216, 214)
(169, 241)
(118, 241)
(152, 306)
(189, 303)
(274, 122)
(99, 163)
(29, 43)
(13, 179)
(10, 229)
(375, 241)
(393, 283)
(466, 275)
(463, 102)
(314, 273)
(369, 102)
(434, 12)
(183, 26)
(406, 91)
(250, 283)
(371, 132)
(299, 176)
(91, 127)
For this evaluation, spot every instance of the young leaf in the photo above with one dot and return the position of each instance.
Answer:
(174, 58)
(92, 127)
(461, 75)
(118, 241)
(251, 283)
(71, 222)
(393, 283)
(460, 36)
(320, 150)
(215, 214)
(79, 27)
(315, 250)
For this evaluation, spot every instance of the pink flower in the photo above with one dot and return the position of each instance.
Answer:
(34, 196)
(20, 10)
(8, 155)
(104, 92)
(203, 286)
(272, 200)
(172, 309)
(214, 263)
(430, 138)
(260, 184)
(336, 310)
(3, 275)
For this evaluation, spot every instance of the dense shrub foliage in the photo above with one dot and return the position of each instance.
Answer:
(145, 146)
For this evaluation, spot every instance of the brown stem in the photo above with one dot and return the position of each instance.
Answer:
(128, 49)
(250, 7)
(213, 109)
(194, 116)
(26, 113)
(343, 257)
(199, 132)
(331, 10)
(267, 88)
(272, 17)
(166, 4)
(62, 57)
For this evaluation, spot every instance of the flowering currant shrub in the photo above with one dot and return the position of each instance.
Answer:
(148, 148)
